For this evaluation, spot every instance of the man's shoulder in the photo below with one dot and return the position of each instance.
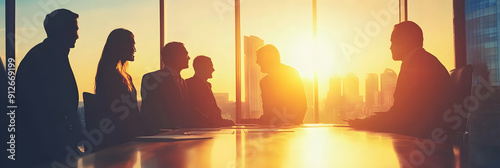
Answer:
(157, 74)
(151, 80)
(430, 62)
(289, 70)
(265, 79)
(191, 80)
(425, 56)
(33, 61)
(34, 54)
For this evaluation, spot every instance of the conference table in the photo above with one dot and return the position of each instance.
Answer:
(308, 146)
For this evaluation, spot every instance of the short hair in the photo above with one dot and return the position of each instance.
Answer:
(170, 50)
(58, 20)
(411, 32)
(200, 61)
(270, 51)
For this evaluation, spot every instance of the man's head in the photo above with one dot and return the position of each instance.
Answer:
(268, 58)
(61, 25)
(405, 37)
(203, 67)
(175, 55)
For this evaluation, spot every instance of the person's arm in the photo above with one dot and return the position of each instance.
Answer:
(266, 102)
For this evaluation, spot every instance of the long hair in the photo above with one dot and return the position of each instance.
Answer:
(112, 57)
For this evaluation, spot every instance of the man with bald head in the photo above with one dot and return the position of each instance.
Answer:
(200, 91)
(165, 96)
(422, 89)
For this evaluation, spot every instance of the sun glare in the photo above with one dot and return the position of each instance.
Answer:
(308, 57)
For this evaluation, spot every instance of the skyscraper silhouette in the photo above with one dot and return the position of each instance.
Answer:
(482, 30)
(352, 99)
(387, 86)
(333, 102)
(371, 91)
(252, 77)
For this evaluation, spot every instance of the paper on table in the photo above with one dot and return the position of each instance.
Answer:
(324, 125)
(209, 132)
(269, 130)
(171, 137)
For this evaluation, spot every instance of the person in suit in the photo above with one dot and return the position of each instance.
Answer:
(201, 94)
(422, 90)
(283, 97)
(115, 90)
(165, 96)
(47, 94)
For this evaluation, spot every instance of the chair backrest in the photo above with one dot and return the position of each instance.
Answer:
(461, 80)
(92, 115)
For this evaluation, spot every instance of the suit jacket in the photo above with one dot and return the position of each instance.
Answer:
(203, 100)
(422, 95)
(48, 101)
(283, 97)
(165, 104)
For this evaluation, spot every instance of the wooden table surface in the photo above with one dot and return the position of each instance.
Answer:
(308, 146)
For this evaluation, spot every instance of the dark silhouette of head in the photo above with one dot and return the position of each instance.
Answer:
(175, 55)
(62, 27)
(119, 48)
(405, 37)
(203, 67)
(268, 58)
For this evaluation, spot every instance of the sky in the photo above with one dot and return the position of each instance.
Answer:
(353, 35)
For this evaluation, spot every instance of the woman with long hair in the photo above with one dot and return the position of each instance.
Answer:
(114, 87)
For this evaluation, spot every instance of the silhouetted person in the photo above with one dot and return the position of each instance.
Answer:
(283, 97)
(4, 120)
(165, 96)
(201, 93)
(115, 90)
(47, 94)
(422, 89)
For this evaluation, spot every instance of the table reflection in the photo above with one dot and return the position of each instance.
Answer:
(324, 146)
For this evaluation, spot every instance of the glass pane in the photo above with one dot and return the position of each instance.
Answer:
(96, 20)
(482, 39)
(207, 28)
(354, 40)
(436, 21)
(289, 29)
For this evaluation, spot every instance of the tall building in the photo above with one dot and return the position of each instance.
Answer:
(252, 77)
(352, 99)
(334, 102)
(371, 91)
(482, 20)
(221, 98)
(388, 81)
